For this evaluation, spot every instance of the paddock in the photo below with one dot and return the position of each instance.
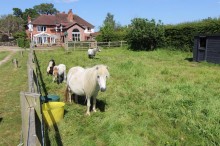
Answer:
(152, 99)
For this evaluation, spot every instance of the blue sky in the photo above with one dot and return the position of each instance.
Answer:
(95, 11)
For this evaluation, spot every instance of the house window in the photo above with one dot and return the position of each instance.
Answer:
(41, 28)
(89, 29)
(76, 35)
(202, 42)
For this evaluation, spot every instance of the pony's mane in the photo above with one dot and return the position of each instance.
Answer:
(91, 74)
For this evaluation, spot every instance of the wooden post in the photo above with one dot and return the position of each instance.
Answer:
(109, 44)
(22, 54)
(32, 129)
(15, 62)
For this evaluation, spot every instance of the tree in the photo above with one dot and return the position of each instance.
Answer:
(10, 24)
(109, 20)
(145, 35)
(29, 12)
(45, 8)
(110, 31)
(107, 33)
(17, 12)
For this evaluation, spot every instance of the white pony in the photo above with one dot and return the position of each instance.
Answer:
(86, 82)
(92, 52)
(59, 73)
(50, 67)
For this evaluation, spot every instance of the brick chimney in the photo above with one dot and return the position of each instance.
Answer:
(70, 15)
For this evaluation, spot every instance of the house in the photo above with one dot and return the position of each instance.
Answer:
(207, 48)
(56, 29)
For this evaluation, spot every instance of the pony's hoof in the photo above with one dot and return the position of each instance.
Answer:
(87, 113)
(94, 110)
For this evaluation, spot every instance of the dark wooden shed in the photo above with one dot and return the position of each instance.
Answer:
(207, 48)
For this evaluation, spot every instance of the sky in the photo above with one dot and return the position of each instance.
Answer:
(95, 11)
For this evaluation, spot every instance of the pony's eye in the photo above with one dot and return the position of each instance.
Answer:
(98, 76)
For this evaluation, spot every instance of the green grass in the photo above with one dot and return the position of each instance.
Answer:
(153, 98)
(12, 81)
(3, 54)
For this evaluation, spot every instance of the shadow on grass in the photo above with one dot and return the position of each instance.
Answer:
(189, 59)
(57, 136)
(100, 104)
(1, 120)
(40, 76)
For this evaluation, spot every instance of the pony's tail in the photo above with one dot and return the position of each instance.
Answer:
(66, 94)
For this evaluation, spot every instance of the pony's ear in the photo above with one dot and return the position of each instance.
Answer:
(107, 67)
(97, 68)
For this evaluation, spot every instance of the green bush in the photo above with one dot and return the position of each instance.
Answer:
(145, 35)
(23, 43)
(22, 40)
(181, 36)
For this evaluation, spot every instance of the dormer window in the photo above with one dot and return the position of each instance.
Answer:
(41, 28)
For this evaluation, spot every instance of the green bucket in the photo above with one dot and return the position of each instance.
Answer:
(50, 98)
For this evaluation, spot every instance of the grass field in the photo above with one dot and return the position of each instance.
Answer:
(3, 54)
(12, 81)
(152, 98)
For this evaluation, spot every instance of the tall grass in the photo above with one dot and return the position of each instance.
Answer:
(152, 98)
(12, 82)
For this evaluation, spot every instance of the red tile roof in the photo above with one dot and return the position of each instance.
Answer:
(61, 18)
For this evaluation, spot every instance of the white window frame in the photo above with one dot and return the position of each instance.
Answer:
(41, 28)
(76, 35)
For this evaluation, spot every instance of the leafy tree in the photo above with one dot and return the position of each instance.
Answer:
(107, 33)
(46, 8)
(111, 31)
(17, 12)
(145, 35)
(10, 24)
(31, 12)
(109, 21)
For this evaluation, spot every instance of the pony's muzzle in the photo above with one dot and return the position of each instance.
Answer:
(102, 89)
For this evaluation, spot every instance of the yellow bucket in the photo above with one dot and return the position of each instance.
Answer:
(53, 112)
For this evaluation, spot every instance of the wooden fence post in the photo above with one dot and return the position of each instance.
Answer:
(15, 62)
(22, 54)
(32, 129)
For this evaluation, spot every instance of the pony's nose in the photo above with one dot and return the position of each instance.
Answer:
(103, 89)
